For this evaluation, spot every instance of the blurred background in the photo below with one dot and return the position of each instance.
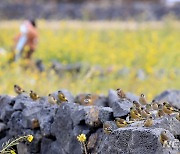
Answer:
(92, 46)
(89, 9)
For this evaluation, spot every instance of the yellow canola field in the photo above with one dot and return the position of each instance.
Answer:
(154, 49)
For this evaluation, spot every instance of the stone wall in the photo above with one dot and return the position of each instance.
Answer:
(55, 127)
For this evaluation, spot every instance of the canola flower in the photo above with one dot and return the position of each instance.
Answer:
(30, 138)
(82, 139)
(7, 147)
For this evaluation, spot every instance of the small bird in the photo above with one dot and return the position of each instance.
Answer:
(148, 122)
(142, 100)
(107, 128)
(121, 93)
(145, 113)
(160, 113)
(134, 115)
(136, 104)
(178, 116)
(163, 137)
(154, 104)
(51, 99)
(62, 97)
(121, 122)
(160, 106)
(148, 107)
(35, 123)
(33, 95)
(88, 99)
(167, 108)
(138, 110)
(18, 89)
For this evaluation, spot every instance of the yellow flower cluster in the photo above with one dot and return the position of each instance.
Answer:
(8, 146)
(81, 138)
(29, 138)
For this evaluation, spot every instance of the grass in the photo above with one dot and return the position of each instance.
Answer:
(153, 47)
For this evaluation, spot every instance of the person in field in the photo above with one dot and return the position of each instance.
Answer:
(26, 39)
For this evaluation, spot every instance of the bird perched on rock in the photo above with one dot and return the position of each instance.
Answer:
(142, 99)
(107, 128)
(160, 113)
(121, 93)
(121, 122)
(18, 89)
(148, 122)
(160, 106)
(136, 104)
(148, 107)
(51, 99)
(33, 95)
(35, 123)
(154, 104)
(167, 108)
(62, 97)
(163, 137)
(145, 113)
(88, 99)
(134, 115)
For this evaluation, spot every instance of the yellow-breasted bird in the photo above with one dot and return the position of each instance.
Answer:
(62, 97)
(51, 99)
(163, 137)
(121, 122)
(145, 113)
(107, 128)
(138, 110)
(154, 104)
(33, 95)
(121, 93)
(160, 113)
(134, 114)
(88, 99)
(18, 89)
(148, 122)
(167, 108)
(142, 99)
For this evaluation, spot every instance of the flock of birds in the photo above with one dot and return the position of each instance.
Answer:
(34, 96)
(141, 110)
(146, 111)
(51, 99)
